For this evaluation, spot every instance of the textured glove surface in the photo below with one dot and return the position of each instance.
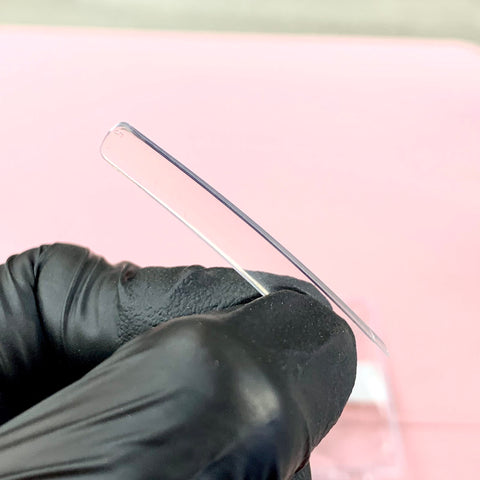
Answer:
(169, 373)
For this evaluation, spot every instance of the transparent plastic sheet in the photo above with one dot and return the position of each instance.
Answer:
(244, 244)
(365, 443)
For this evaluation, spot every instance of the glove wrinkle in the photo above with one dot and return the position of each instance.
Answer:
(24, 354)
(303, 473)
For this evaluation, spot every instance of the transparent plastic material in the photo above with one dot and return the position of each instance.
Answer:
(365, 443)
(230, 232)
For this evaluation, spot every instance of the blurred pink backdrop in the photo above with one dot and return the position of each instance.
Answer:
(361, 155)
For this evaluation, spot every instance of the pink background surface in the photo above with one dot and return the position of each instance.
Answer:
(361, 155)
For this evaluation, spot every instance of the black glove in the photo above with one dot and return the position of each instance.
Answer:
(226, 386)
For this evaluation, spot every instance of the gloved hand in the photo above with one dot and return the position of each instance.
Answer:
(117, 372)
